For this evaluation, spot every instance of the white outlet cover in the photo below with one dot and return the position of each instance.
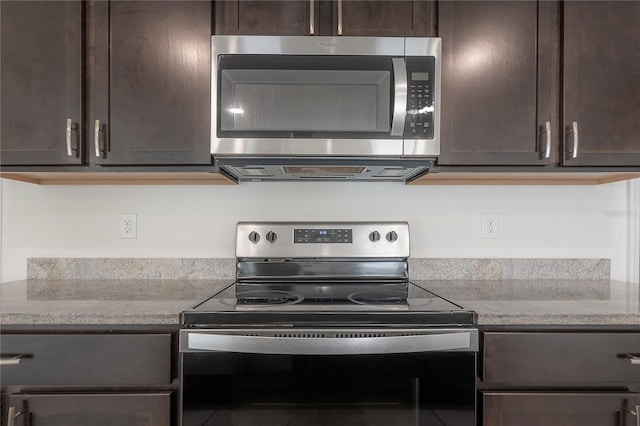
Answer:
(128, 226)
(490, 225)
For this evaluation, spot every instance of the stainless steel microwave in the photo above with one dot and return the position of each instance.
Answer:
(313, 107)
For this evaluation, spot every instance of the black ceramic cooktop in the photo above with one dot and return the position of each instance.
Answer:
(294, 304)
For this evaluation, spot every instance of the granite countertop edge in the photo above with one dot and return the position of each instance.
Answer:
(71, 319)
(553, 302)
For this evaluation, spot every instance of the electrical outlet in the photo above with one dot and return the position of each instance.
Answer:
(128, 225)
(490, 225)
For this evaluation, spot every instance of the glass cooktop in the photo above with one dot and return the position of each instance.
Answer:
(326, 303)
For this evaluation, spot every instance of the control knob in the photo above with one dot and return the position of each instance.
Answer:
(271, 236)
(254, 237)
(374, 236)
(392, 236)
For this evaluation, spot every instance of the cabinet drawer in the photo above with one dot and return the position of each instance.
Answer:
(560, 358)
(90, 409)
(87, 359)
(558, 409)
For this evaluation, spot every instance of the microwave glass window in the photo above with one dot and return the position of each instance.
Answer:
(305, 100)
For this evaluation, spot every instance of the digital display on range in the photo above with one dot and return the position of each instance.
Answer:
(322, 236)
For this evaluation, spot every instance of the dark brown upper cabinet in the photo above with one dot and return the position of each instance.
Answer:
(41, 79)
(497, 83)
(325, 17)
(268, 17)
(601, 96)
(150, 88)
(382, 18)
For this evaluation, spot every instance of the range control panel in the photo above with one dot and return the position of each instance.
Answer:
(322, 240)
(322, 236)
(420, 96)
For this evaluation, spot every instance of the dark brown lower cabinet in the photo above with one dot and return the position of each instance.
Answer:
(559, 409)
(80, 377)
(87, 359)
(89, 409)
(580, 377)
(561, 359)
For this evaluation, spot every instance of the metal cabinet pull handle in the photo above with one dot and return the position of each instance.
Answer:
(635, 359)
(339, 17)
(634, 413)
(547, 149)
(574, 130)
(69, 129)
(11, 416)
(14, 360)
(96, 138)
(72, 146)
(312, 18)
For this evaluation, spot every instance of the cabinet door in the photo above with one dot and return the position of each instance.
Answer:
(151, 87)
(313, 17)
(496, 82)
(86, 359)
(90, 409)
(601, 83)
(558, 409)
(383, 18)
(267, 17)
(41, 80)
(560, 358)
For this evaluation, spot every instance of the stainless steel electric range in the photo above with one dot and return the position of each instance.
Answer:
(323, 326)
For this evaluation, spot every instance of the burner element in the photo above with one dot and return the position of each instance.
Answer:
(374, 297)
(264, 298)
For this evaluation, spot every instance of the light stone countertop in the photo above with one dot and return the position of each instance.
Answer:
(101, 302)
(544, 302)
(159, 302)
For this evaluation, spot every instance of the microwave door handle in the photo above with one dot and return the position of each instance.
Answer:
(312, 18)
(400, 101)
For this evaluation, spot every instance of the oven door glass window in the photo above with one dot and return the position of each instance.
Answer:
(365, 390)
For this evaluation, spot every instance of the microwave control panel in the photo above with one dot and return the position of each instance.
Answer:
(420, 96)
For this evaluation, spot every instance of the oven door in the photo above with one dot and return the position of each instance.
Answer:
(329, 377)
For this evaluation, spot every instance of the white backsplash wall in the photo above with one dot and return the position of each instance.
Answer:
(199, 221)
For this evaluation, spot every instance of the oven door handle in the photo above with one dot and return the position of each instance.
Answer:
(400, 101)
(450, 340)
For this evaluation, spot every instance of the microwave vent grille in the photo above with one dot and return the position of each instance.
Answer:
(326, 170)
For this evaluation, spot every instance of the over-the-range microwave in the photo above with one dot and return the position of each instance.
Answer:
(309, 108)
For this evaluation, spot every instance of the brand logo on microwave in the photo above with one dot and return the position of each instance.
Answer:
(327, 44)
